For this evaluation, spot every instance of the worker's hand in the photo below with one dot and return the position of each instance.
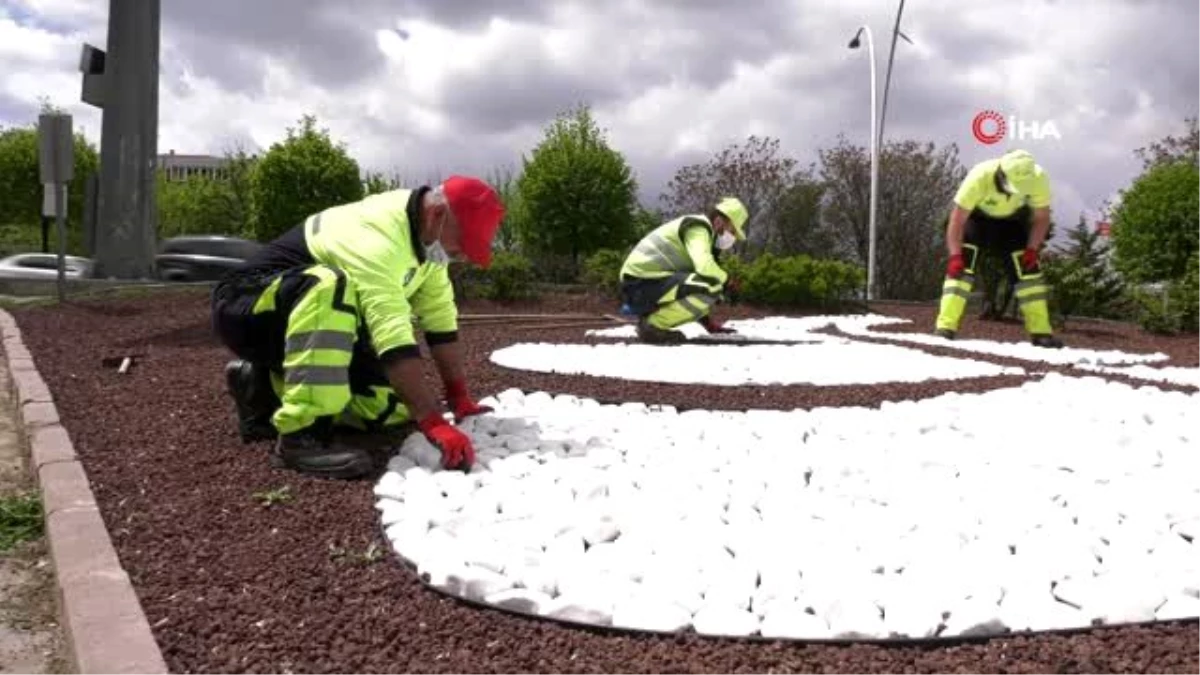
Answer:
(456, 448)
(733, 285)
(1029, 260)
(460, 401)
(955, 267)
(712, 325)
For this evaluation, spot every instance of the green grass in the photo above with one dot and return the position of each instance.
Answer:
(20, 519)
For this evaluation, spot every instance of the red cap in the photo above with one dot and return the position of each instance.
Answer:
(478, 210)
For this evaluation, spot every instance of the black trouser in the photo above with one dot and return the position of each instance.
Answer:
(1000, 236)
(644, 296)
(1007, 237)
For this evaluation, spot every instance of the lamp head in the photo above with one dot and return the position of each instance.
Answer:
(856, 42)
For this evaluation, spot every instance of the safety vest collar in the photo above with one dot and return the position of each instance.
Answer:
(413, 211)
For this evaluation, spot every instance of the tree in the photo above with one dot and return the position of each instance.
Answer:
(375, 183)
(21, 191)
(575, 195)
(1170, 149)
(300, 176)
(917, 183)
(209, 205)
(504, 179)
(1154, 227)
(755, 172)
(1082, 281)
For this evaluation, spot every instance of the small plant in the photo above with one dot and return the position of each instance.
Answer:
(20, 519)
(371, 554)
(269, 498)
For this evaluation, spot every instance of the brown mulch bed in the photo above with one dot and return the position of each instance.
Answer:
(232, 585)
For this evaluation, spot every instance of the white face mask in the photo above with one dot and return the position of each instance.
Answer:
(725, 241)
(435, 252)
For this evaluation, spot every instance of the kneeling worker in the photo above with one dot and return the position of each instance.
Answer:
(322, 322)
(672, 276)
(1003, 205)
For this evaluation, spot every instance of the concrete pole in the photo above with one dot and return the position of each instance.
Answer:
(126, 229)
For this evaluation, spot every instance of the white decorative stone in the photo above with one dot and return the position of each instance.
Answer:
(901, 521)
(725, 620)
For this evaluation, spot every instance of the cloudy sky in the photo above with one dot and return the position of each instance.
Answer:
(428, 86)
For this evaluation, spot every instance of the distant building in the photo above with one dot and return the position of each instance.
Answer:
(181, 167)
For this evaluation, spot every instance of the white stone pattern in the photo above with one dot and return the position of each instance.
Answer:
(860, 325)
(1057, 504)
(828, 362)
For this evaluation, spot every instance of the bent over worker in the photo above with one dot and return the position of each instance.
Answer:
(321, 321)
(672, 276)
(1003, 205)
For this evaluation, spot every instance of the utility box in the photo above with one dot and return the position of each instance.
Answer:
(91, 64)
(56, 149)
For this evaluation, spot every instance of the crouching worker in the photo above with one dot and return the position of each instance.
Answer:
(672, 276)
(321, 321)
(1003, 205)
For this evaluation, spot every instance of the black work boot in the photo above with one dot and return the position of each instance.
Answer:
(658, 336)
(1048, 341)
(944, 333)
(255, 400)
(307, 453)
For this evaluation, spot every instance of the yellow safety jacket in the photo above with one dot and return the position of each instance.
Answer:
(685, 245)
(979, 191)
(374, 241)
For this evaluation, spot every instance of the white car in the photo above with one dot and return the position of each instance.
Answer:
(43, 266)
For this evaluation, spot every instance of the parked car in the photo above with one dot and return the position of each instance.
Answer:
(202, 257)
(43, 266)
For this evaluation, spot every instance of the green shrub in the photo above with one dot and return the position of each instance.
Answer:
(1175, 309)
(602, 271)
(510, 277)
(800, 281)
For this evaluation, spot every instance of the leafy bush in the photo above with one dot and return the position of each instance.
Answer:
(800, 281)
(1154, 228)
(602, 271)
(1175, 309)
(510, 277)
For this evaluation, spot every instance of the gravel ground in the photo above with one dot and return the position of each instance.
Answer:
(235, 580)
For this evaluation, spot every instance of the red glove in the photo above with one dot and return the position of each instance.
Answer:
(955, 266)
(461, 403)
(733, 285)
(1029, 259)
(457, 451)
(713, 326)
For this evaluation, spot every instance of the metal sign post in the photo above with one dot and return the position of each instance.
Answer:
(56, 164)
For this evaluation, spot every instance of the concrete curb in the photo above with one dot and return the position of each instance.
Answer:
(105, 628)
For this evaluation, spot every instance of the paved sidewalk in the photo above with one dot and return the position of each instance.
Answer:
(104, 627)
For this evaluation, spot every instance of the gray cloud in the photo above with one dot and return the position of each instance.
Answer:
(15, 112)
(497, 111)
(326, 41)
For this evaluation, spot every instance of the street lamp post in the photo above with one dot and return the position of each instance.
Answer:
(887, 78)
(854, 44)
